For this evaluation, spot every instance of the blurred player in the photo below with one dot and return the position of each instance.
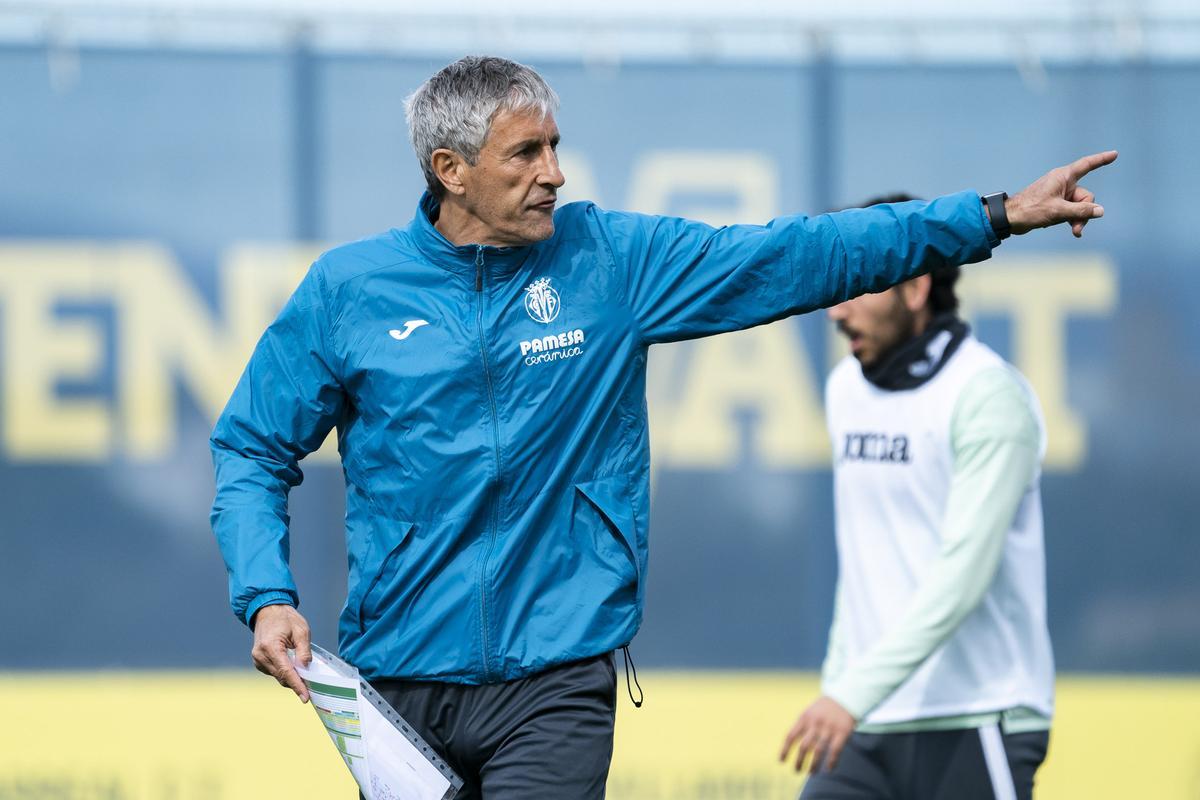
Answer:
(939, 678)
(485, 369)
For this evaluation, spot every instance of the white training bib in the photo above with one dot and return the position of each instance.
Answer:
(893, 465)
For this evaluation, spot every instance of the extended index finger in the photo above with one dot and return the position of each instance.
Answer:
(1083, 166)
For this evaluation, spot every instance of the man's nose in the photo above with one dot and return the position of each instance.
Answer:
(551, 175)
(837, 313)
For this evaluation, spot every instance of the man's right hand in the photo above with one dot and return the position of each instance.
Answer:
(822, 730)
(277, 629)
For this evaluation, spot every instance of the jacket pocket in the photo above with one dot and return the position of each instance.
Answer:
(387, 537)
(610, 499)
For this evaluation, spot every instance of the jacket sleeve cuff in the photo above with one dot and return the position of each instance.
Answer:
(272, 598)
(992, 238)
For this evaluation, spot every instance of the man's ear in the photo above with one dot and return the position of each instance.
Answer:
(449, 166)
(915, 292)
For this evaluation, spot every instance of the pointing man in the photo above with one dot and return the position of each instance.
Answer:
(497, 499)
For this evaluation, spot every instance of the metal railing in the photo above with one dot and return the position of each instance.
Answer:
(934, 31)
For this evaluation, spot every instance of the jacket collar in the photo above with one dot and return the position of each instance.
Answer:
(459, 258)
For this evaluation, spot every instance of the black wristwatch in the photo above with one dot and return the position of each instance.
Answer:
(995, 207)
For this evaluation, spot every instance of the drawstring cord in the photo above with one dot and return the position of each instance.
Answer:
(637, 703)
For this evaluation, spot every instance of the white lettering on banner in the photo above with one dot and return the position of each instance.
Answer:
(165, 338)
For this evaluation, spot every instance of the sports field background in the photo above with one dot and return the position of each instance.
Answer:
(165, 178)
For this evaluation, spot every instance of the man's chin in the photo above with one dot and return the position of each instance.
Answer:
(541, 231)
(529, 234)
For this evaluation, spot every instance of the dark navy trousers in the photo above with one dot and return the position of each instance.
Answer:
(545, 737)
(969, 764)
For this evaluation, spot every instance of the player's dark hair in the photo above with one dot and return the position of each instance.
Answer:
(941, 291)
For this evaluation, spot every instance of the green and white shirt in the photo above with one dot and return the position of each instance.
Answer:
(940, 618)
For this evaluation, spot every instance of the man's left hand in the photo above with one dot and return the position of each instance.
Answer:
(821, 730)
(1057, 197)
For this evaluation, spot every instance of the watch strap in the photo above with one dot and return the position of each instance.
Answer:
(995, 207)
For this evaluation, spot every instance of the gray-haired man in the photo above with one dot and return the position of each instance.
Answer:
(485, 370)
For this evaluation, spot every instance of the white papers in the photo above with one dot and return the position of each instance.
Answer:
(335, 699)
(386, 763)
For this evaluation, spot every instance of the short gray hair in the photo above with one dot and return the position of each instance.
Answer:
(454, 109)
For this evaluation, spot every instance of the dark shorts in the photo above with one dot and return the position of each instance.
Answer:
(971, 764)
(545, 737)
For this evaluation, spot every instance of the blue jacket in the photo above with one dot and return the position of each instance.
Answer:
(491, 416)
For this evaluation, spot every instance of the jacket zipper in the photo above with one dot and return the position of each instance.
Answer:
(487, 553)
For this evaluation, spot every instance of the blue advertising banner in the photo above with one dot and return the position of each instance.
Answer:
(157, 207)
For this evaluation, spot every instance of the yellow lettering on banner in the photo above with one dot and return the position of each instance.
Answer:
(164, 331)
(764, 370)
(156, 310)
(41, 349)
(167, 331)
(1040, 294)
